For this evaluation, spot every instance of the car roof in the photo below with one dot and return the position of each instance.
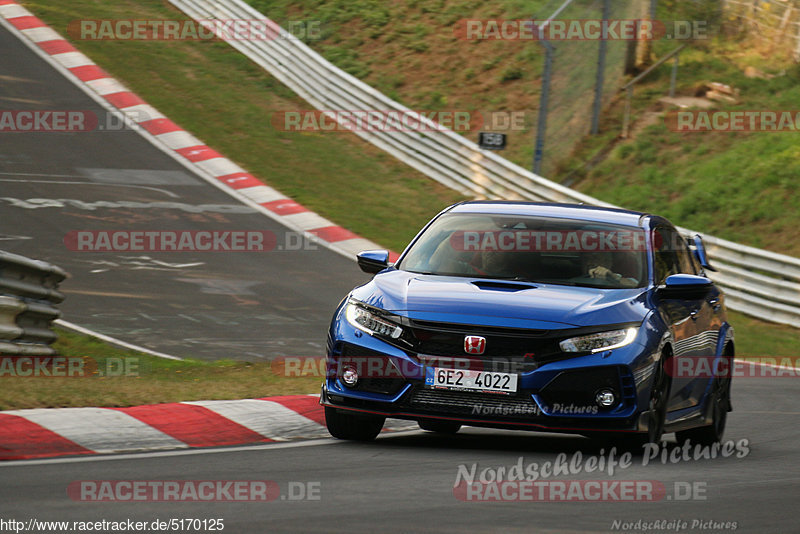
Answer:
(583, 212)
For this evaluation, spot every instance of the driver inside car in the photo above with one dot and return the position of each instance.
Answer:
(598, 265)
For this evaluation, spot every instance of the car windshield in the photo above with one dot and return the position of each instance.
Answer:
(533, 249)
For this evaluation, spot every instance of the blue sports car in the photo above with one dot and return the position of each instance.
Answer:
(545, 317)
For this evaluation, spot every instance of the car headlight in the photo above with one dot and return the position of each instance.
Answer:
(612, 339)
(363, 319)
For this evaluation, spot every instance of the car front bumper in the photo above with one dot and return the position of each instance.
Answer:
(416, 402)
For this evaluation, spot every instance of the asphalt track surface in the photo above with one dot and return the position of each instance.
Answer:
(404, 482)
(206, 305)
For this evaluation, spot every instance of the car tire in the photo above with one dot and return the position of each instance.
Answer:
(657, 410)
(720, 406)
(442, 427)
(343, 425)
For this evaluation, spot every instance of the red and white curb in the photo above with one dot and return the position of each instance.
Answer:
(48, 432)
(168, 136)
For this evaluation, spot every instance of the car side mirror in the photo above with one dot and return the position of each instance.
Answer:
(700, 252)
(373, 261)
(685, 286)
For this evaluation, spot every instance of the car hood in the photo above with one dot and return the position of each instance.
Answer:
(500, 303)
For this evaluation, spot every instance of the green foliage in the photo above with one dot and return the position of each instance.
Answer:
(436, 100)
(510, 74)
(692, 10)
(624, 151)
(417, 45)
(491, 63)
(347, 60)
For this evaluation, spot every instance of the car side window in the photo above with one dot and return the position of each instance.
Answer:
(672, 254)
(684, 256)
(667, 261)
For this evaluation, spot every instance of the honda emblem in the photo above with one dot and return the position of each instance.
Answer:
(474, 344)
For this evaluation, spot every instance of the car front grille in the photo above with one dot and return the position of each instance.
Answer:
(507, 349)
(472, 404)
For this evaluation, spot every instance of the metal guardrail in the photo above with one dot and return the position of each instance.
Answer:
(756, 282)
(28, 294)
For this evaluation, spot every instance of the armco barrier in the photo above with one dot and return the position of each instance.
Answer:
(756, 282)
(28, 294)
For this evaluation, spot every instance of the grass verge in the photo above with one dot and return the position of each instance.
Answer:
(115, 377)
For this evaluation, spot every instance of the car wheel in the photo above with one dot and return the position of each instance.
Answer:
(344, 425)
(720, 405)
(657, 410)
(443, 427)
(659, 395)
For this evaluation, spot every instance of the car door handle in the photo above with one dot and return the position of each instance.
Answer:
(693, 315)
(714, 303)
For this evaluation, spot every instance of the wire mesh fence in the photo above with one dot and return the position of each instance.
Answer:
(774, 23)
(586, 68)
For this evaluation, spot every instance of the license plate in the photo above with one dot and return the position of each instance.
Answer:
(470, 380)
